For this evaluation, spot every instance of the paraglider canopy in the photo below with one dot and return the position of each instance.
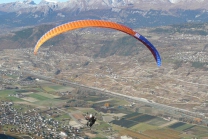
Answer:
(97, 23)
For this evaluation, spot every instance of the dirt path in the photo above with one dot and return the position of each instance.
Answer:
(103, 101)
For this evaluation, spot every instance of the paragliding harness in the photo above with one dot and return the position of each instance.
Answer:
(90, 120)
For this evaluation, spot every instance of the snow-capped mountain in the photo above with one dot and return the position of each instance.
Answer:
(96, 4)
(49, 2)
(133, 12)
(186, 1)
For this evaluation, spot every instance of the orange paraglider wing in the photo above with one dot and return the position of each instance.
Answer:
(96, 23)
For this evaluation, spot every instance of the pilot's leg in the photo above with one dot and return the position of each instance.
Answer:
(91, 124)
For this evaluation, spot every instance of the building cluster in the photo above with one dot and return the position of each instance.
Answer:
(18, 95)
(7, 76)
(13, 76)
(33, 123)
(192, 56)
(190, 37)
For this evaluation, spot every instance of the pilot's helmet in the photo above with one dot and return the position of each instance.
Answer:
(90, 115)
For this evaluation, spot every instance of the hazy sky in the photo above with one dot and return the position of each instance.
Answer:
(36, 1)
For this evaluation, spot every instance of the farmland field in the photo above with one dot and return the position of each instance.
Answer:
(132, 115)
(91, 110)
(38, 97)
(48, 89)
(124, 123)
(120, 102)
(184, 127)
(134, 134)
(132, 120)
(5, 93)
(157, 121)
(102, 126)
(30, 99)
(124, 111)
(48, 95)
(63, 117)
(176, 125)
(143, 127)
(50, 102)
(163, 134)
(22, 91)
(198, 130)
(56, 87)
(13, 99)
(142, 118)
(61, 88)
(204, 136)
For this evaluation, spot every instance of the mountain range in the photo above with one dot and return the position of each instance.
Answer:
(103, 4)
(135, 13)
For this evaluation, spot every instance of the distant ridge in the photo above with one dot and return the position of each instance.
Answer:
(135, 13)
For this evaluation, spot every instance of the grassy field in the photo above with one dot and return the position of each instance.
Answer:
(13, 99)
(61, 88)
(184, 127)
(26, 91)
(48, 89)
(89, 110)
(38, 97)
(50, 102)
(120, 102)
(5, 93)
(143, 127)
(22, 108)
(141, 118)
(48, 95)
(157, 121)
(62, 117)
(39, 89)
(132, 115)
(56, 88)
(117, 128)
(102, 126)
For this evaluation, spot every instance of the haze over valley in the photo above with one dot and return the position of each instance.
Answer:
(119, 63)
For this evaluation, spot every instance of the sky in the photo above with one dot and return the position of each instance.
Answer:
(36, 1)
